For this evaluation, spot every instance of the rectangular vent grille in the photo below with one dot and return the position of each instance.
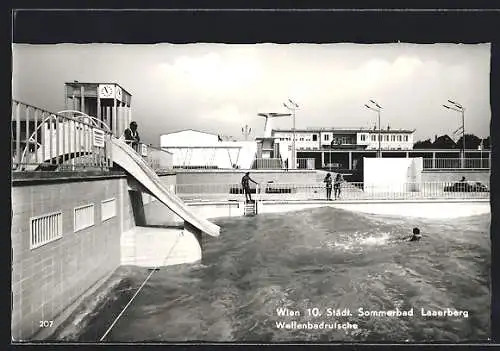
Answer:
(84, 217)
(45, 228)
(108, 209)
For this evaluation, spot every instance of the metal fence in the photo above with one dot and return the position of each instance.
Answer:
(306, 163)
(348, 191)
(457, 163)
(268, 163)
(67, 140)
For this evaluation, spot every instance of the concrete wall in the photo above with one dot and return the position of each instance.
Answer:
(158, 247)
(415, 208)
(49, 278)
(157, 242)
(218, 209)
(455, 176)
(157, 213)
(127, 215)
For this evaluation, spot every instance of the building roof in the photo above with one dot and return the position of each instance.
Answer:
(342, 130)
(189, 130)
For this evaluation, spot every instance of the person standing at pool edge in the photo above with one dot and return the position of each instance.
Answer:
(245, 184)
(328, 181)
(336, 185)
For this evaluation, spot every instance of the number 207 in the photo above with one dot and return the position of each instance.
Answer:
(46, 324)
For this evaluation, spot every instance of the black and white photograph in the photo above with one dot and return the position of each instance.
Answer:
(259, 192)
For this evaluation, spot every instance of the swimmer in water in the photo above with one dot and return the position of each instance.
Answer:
(416, 235)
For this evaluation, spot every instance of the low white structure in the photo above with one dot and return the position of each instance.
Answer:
(392, 174)
(195, 149)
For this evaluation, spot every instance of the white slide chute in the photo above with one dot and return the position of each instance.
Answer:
(130, 161)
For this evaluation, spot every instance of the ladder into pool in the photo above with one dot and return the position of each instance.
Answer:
(251, 208)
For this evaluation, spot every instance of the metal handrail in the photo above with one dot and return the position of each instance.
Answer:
(92, 118)
(81, 120)
(348, 190)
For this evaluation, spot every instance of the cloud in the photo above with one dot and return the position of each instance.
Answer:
(404, 66)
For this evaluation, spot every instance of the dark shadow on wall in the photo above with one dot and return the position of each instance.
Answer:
(137, 207)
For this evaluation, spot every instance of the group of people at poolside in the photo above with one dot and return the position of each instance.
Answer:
(336, 185)
(330, 183)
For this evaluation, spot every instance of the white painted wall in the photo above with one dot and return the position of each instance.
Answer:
(303, 140)
(389, 144)
(363, 135)
(221, 157)
(416, 208)
(391, 174)
(285, 150)
(419, 209)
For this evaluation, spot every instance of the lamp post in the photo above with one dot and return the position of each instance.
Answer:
(379, 153)
(246, 131)
(459, 108)
(292, 107)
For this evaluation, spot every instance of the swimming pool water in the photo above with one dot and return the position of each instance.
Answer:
(318, 258)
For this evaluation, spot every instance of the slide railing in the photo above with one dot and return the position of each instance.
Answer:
(69, 140)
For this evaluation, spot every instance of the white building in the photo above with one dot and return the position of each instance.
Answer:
(196, 149)
(352, 138)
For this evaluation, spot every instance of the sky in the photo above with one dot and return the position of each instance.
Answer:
(219, 88)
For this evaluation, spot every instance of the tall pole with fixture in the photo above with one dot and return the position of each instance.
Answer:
(292, 106)
(376, 109)
(246, 131)
(459, 108)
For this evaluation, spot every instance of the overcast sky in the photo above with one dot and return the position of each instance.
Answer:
(219, 88)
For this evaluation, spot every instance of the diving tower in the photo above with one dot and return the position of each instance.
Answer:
(268, 124)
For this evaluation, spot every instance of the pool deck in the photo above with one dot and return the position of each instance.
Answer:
(222, 198)
(422, 208)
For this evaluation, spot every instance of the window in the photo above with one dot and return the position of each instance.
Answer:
(393, 138)
(386, 138)
(374, 137)
(301, 139)
(315, 137)
(363, 137)
(108, 209)
(83, 217)
(45, 228)
(326, 137)
(399, 137)
(406, 138)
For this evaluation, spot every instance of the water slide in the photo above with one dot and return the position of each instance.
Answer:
(129, 160)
